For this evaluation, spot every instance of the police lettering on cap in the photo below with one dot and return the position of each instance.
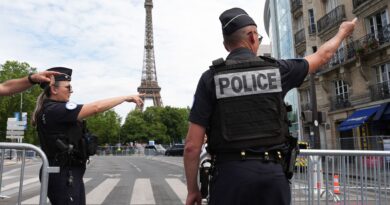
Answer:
(65, 76)
(234, 19)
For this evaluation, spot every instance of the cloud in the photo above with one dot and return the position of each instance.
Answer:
(103, 41)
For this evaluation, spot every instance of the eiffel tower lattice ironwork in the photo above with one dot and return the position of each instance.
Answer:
(149, 85)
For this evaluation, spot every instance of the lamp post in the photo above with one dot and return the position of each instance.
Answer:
(315, 123)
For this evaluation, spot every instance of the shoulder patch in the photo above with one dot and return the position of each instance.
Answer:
(70, 105)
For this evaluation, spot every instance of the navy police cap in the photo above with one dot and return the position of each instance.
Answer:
(65, 75)
(234, 19)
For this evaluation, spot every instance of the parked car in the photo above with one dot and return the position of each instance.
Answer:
(154, 150)
(175, 150)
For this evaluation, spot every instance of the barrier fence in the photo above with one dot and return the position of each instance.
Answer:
(46, 169)
(342, 177)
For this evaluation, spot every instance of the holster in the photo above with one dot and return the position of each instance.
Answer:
(290, 156)
(204, 177)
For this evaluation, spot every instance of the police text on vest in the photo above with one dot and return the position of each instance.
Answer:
(247, 83)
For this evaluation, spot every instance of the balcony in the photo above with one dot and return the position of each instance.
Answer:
(357, 3)
(380, 91)
(295, 5)
(299, 37)
(312, 29)
(331, 19)
(339, 102)
(372, 41)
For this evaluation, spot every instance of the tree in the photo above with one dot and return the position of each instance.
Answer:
(161, 124)
(11, 104)
(106, 126)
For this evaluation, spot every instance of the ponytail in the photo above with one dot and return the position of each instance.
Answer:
(38, 107)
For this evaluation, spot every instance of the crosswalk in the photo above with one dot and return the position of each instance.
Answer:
(140, 193)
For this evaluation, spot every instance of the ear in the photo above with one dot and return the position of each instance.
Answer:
(53, 90)
(226, 47)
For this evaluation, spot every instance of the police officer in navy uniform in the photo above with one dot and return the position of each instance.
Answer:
(239, 105)
(59, 127)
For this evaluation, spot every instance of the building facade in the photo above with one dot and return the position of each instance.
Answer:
(277, 21)
(353, 89)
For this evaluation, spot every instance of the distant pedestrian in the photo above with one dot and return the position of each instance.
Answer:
(59, 127)
(239, 104)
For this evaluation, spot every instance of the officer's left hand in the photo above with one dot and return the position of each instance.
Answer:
(194, 198)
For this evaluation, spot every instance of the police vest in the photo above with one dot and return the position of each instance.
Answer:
(56, 143)
(250, 111)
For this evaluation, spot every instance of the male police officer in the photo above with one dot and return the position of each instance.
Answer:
(239, 104)
(13, 86)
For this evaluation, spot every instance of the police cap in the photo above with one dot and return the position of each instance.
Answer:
(234, 19)
(65, 75)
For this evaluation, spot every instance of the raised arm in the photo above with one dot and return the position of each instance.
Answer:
(13, 86)
(106, 104)
(327, 50)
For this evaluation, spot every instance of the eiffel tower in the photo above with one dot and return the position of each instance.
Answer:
(149, 84)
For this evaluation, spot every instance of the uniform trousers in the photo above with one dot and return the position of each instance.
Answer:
(60, 192)
(249, 182)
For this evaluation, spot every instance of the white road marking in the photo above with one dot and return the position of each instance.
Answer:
(16, 184)
(142, 192)
(135, 166)
(97, 195)
(178, 187)
(35, 199)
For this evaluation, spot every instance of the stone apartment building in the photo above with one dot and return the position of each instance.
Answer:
(353, 89)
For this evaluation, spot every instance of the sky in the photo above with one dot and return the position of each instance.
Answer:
(103, 42)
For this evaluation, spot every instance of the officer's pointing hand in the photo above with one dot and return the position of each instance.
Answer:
(137, 99)
(347, 27)
(44, 76)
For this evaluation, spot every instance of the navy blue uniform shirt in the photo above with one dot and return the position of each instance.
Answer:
(293, 72)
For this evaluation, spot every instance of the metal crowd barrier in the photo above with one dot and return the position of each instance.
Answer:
(341, 177)
(45, 168)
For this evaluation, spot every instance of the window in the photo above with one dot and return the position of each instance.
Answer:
(383, 77)
(341, 91)
(312, 23)
(331, 4)
(377, 22)
(338, 57)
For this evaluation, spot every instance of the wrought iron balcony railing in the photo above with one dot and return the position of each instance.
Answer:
(299, 36)
(312, 29)
(339, 103)
(331, 19)
(372, 41)
(357, 3)
(296, 4)
(380, 91)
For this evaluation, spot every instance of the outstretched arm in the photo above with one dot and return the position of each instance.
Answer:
(13, 86)
(106, 104)
(327, 50)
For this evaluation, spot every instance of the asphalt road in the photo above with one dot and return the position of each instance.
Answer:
(110, 180)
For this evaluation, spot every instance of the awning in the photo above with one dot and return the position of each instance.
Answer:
(383, 112)
(358, 118)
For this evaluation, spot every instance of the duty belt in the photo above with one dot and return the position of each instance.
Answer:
(273, 156)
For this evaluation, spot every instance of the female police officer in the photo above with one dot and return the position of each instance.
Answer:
(61, 137)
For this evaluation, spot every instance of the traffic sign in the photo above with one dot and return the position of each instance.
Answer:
(15, 127)
(15, 132)
(14, 137)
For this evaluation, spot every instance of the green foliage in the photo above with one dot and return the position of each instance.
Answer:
(106, 126)
(11, 104)
(161, 124)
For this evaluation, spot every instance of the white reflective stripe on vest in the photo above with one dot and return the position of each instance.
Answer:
(247, 83)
